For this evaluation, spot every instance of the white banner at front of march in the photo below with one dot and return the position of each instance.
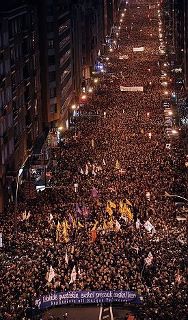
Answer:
(122, 88)
(125, 57)
(139, 49)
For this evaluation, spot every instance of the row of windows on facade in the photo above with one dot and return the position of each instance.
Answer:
(65, 76)
(3, 39)
(6, 64)
(18, 101)
(64, 60)
(22, 49)
(17, 76)
(6, 123)
(22, 74)
(52, 77)
(7, 150)
(66, 89)
(62, 43)
(65, 57)
(9, 147)
(20, 24)
(25, 120)
(5, 96)
(65, 93)
(62, 28)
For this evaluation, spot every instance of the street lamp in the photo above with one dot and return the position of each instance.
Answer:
(73, 107)
(84, 97)
(174, 131)
(95, 80)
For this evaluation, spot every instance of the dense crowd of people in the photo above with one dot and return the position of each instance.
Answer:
(111, 176)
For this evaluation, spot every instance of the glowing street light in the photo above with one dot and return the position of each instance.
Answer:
(84, 97)
(60, 128)
(95, 80)
(73, 107)
(90, 90)
(174, 131)
(170, 113)
(164, 83)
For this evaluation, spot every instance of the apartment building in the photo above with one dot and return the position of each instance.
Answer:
(56, 61)
(20, 100)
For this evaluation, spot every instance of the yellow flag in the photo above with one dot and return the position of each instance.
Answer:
(105, 227)
(112, 204)
(66, 224)
(95, 225)
(58, 227)
(74, 223)
(117, 165)
(80, 225)
(57, 235)
(109, 210)
(121, 207)
(110, 224)
(65, 232)
(127, 212)
(58, 231)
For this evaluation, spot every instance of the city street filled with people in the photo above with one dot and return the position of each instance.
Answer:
(105, 222)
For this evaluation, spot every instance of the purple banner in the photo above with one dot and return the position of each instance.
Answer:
(84, 297)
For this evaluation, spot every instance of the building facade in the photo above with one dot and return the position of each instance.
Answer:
(20, 100)
(56, 61)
